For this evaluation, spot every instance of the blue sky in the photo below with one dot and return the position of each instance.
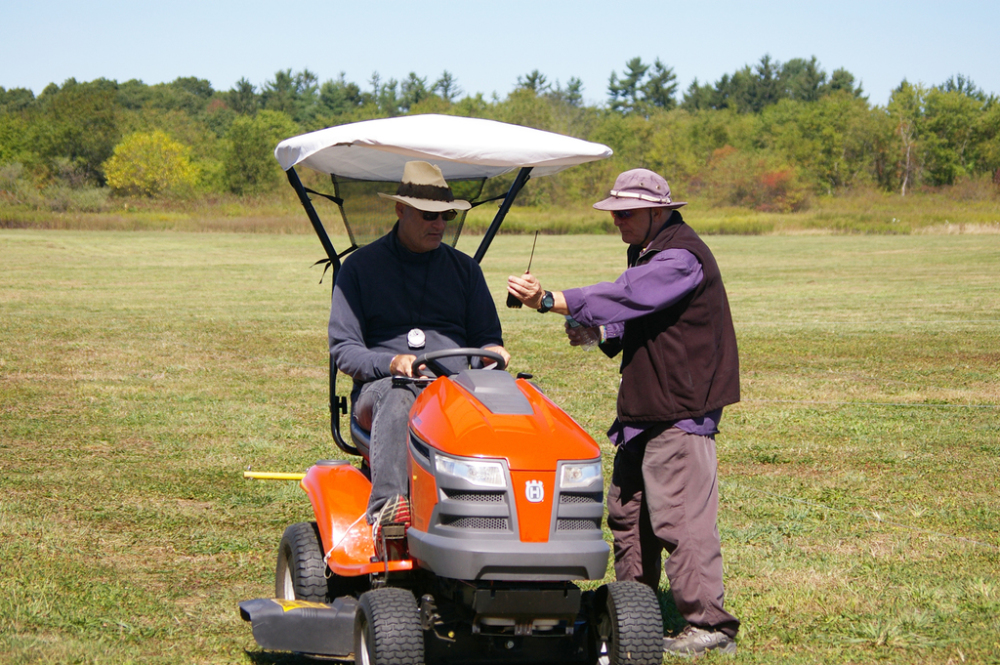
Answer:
(487, 46)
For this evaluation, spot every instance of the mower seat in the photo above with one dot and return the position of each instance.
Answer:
(360, 437)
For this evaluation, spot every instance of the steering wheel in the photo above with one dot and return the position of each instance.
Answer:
(429, 361)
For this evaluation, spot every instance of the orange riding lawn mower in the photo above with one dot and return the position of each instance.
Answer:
(506, 489)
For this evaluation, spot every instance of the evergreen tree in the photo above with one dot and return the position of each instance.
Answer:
(802, 80)
(841, 79)
(624, 92)
(963, 86)
(535, 82)
(660, 88)
(412, 91)
(446, 87)
(636, 92)
(699, 97)
(337, 97)
(243, 97)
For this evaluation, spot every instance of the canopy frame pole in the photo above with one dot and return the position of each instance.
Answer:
(324, 237)
(338, 403)
(515, 188)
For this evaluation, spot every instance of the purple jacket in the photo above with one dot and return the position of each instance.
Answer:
(665, 279)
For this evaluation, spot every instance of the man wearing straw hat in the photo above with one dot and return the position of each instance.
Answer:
(669, 316)
(405, 294)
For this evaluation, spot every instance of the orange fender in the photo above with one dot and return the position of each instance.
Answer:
(339, 495)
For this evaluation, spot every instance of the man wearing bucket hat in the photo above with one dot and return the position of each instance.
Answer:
(669, 316)
(405, 294)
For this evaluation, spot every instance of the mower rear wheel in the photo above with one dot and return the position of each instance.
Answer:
(300, 573)
(629, 628)
(387, 629)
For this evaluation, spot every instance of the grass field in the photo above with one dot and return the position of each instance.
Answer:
(141, 372)
(972, 207)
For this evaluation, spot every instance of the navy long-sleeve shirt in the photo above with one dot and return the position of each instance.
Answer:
(383, 291)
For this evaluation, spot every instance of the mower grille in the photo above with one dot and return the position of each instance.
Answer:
(576, 525)
(479, 523)
(569, 498)
(474, 497)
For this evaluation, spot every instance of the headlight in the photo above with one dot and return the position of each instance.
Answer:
(483, 474)
(576, 476)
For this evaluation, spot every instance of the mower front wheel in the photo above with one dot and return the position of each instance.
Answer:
(629, 628)
(300, 573)
(387, 629)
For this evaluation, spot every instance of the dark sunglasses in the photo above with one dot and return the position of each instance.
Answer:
(622, 214)
(447, 215)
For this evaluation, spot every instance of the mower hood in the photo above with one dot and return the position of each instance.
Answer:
(501, 418)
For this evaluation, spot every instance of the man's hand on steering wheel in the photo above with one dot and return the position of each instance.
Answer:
(402, 365)
(497, 349)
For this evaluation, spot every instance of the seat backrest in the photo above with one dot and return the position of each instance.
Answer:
(361, 438)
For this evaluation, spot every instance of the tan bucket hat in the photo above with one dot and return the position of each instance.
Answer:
(639, 188)
(424, 188)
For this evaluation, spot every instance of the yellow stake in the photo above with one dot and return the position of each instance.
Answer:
(272, 475)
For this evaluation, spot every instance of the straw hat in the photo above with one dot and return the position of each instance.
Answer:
(424, 188)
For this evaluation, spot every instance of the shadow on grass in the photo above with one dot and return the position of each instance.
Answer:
(279, 658)
(673, 622)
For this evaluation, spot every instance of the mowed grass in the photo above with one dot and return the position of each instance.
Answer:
(142, 372)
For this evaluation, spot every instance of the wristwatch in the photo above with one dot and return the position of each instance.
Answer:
(548, 302)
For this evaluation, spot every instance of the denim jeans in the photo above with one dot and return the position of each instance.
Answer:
(384, 410)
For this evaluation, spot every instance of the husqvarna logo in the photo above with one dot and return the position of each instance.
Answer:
(534, 491)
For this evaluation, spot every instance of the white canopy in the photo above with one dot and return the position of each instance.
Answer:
(464, 148)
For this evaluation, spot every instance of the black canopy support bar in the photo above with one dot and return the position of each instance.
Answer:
(338, 404)
(336, 199)
(293, 180)
(475, 204)
(519, 181)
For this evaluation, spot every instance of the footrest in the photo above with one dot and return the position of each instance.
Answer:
(394, 531)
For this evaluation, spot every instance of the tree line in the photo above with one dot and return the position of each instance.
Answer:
(768, 136)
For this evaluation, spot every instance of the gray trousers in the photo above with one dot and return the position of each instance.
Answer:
(384, 410)
(664, 496)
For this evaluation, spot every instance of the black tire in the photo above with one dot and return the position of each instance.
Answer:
(387, 629)
(300, 573)
(629, 627)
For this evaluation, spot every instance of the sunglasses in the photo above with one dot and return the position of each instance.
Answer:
(622, 214)
(447, 215)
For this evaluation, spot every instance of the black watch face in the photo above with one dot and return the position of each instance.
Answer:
(548, 301)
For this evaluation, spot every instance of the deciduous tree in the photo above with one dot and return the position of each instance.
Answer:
(150, 164)
(79, 123)
(249, 165)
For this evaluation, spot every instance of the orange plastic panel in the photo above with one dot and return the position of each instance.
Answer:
(339, 496)
(454, 422)
(534, 517)
(423, 496)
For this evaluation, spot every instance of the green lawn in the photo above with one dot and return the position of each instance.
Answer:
(141, 372)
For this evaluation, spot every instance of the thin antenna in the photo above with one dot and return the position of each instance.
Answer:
(532, 251)
(512, 301)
